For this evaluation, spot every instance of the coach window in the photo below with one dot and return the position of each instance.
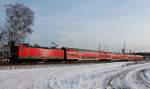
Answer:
(85, 57)
(75, 54)
(72, 54)
(91, 57)
(99, 54)
(82, 57)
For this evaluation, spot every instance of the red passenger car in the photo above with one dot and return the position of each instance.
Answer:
(116, 56)
(104, 56)
(131, 57)
(72, 54)
(138, 57)
(88, 55)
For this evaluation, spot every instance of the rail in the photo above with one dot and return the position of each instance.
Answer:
(43, 65)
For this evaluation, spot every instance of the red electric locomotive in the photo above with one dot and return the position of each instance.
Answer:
(29, 53)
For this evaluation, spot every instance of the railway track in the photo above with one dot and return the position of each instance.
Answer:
(115, 82)
(130, 78)
(142, 79)
(39, 65)
(56, 64)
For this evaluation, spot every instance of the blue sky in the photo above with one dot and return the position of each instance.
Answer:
(85, 23)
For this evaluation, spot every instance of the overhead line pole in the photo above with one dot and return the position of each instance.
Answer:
(99, 48)
(123, 50)
(124, 47)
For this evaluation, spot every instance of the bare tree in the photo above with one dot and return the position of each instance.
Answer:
(3, 43)
(18, 25)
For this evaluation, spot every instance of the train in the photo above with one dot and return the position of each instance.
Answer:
(26, 53)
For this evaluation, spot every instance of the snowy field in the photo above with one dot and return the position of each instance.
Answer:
(118, 75)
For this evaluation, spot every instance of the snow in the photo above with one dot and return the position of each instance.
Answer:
(117, 75)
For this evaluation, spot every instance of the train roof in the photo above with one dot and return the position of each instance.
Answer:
(86, 49)
(37, 46)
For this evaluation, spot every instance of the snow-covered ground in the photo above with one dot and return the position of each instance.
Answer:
(117, 75)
